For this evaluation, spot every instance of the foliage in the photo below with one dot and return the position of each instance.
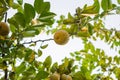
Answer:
(20, 63)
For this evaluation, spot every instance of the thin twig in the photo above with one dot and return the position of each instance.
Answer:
(6, 17)
(37, 41)
(6, 74)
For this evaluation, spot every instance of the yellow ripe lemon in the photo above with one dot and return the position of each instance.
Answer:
(4, 29)
(61, 37)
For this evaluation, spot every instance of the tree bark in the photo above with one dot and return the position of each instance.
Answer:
(6, 74)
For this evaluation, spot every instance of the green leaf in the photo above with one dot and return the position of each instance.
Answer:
(20, 68)
(12, 75)
(46, 15)
(74, 68)
(29, 33)
(69, 21)
(118, 10)
(1, 17)
(54, 67)
(30, 57)
(29, 73)
(118, 1)
(12, 28)
(39, 52)
(29, 12)
(78, 58)
(48, 61)
(79, 76)
(2, 10)
(117, 33)
(110, 60)
(72, 54)
(20, 9)
(3, 3)
(41, 75)
(92, 48)
(15, 6)
(10, 2)
(20, 2)
(46, 6)
(46, 22)
(44, 46)
(93, 9)
(33, 44)
(117, 59)
(117, 72)
(83, 34)
(19, 17)
(84, 69)
(90, 29)
(106, 5)
(2, 65)
(13, 22)
(97, 6)
(70, 16)
(86, 47)
(37, 5)
(41, 6)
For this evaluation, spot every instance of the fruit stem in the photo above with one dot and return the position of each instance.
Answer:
(6, 17)
(6, 74)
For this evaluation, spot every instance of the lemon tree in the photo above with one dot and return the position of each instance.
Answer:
(18, 62)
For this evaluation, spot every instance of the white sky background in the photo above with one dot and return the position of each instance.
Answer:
(58, 52)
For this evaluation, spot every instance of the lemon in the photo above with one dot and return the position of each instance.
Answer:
(61, 37)
(55, 76)
(66, 77)
(4, 29)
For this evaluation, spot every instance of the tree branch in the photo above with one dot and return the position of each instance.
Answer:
(6, 17)
(37, 41)
(6, 74)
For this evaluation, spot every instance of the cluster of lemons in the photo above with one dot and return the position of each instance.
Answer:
(57, 76)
